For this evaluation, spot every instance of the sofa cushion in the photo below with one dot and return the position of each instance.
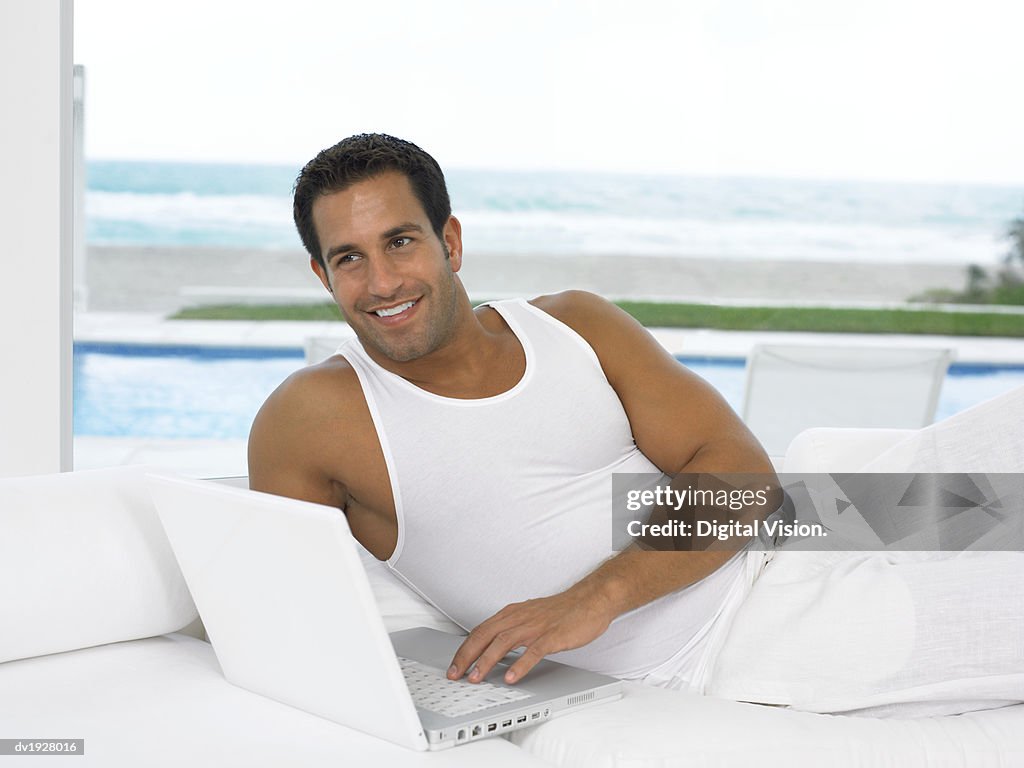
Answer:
(656, 728)
(163, 702)
(839, 449)
(84, 561)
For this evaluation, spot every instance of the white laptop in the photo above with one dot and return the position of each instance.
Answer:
(290, 614)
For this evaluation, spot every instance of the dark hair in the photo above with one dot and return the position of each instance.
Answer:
(362, 157)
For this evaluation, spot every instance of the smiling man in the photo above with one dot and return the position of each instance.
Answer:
(473, 449)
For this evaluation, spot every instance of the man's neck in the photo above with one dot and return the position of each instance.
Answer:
(482, 358)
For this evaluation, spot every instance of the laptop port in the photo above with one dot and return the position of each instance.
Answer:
(477, 730)
(491, 727)
(535, 715)
(506, 724)
(520, 719)
(461, 735)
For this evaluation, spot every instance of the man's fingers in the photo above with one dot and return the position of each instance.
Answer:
(469, 651)
(536, 625)
(525, 663)
(474, 646)
(503, 642)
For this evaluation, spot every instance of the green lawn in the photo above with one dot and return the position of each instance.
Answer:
(728, 318)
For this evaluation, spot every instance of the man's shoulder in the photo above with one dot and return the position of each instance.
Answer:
(311, 433)
(329, 390)
(579, 309)
(570, 302)
(601, 323)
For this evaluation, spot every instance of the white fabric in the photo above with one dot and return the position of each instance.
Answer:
(907, 634)
(688, 670)
(163, 703)
(84, 561)
(507, 498)
(654, 728)
(988, 437)
(902, 634)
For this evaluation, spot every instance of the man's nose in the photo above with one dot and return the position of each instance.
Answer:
(383, 279)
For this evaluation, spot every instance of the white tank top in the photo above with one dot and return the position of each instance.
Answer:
(506, 498)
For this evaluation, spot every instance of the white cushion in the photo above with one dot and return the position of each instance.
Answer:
(163, 701)
(839, 449)
(84, 561)
(656, 728)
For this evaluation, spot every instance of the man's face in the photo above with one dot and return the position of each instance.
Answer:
(391, 276)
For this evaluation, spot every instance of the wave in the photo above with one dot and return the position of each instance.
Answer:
(786, 240)
(189, 208)
(265, 221)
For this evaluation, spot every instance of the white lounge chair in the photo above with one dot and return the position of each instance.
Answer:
(791, 388)
(319, 348)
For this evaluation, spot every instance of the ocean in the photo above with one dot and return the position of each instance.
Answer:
(567, 213)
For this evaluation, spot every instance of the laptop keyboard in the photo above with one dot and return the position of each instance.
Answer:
(433, 691)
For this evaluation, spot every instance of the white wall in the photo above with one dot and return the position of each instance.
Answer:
(35, 235)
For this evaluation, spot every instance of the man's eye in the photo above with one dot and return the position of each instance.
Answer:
(346, 258)
(398, 242)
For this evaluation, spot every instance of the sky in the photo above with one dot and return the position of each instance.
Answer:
(893, 90)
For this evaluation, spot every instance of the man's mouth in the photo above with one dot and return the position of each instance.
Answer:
(395, 310)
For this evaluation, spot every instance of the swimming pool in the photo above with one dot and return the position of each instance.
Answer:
(128, 390)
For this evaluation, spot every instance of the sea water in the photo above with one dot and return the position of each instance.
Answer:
(576, 213)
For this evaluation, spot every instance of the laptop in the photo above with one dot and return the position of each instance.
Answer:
(290, 614)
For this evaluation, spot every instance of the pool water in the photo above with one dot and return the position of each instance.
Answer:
(208, 392)
(186, 392)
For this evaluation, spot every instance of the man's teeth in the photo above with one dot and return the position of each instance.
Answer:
(394, 310)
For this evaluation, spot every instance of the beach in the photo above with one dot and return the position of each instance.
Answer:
(164, 279)
(165, 235)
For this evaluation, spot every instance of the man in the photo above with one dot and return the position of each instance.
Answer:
(473, 448)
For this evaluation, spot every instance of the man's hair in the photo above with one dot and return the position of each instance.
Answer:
(363, 157)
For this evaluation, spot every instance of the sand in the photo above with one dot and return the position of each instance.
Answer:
(152, 279)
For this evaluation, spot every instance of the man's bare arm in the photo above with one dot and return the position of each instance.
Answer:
(285, 451)
(314, 440)
(682, 425)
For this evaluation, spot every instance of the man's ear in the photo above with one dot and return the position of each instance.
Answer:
(322, 274)
(453, 240)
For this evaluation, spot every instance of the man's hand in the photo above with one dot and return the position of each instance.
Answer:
(543, 626)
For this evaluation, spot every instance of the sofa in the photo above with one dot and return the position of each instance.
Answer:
(100, 641)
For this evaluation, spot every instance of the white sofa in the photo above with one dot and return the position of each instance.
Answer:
(92, 609)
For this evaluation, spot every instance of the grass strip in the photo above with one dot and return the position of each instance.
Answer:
(726, 318)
